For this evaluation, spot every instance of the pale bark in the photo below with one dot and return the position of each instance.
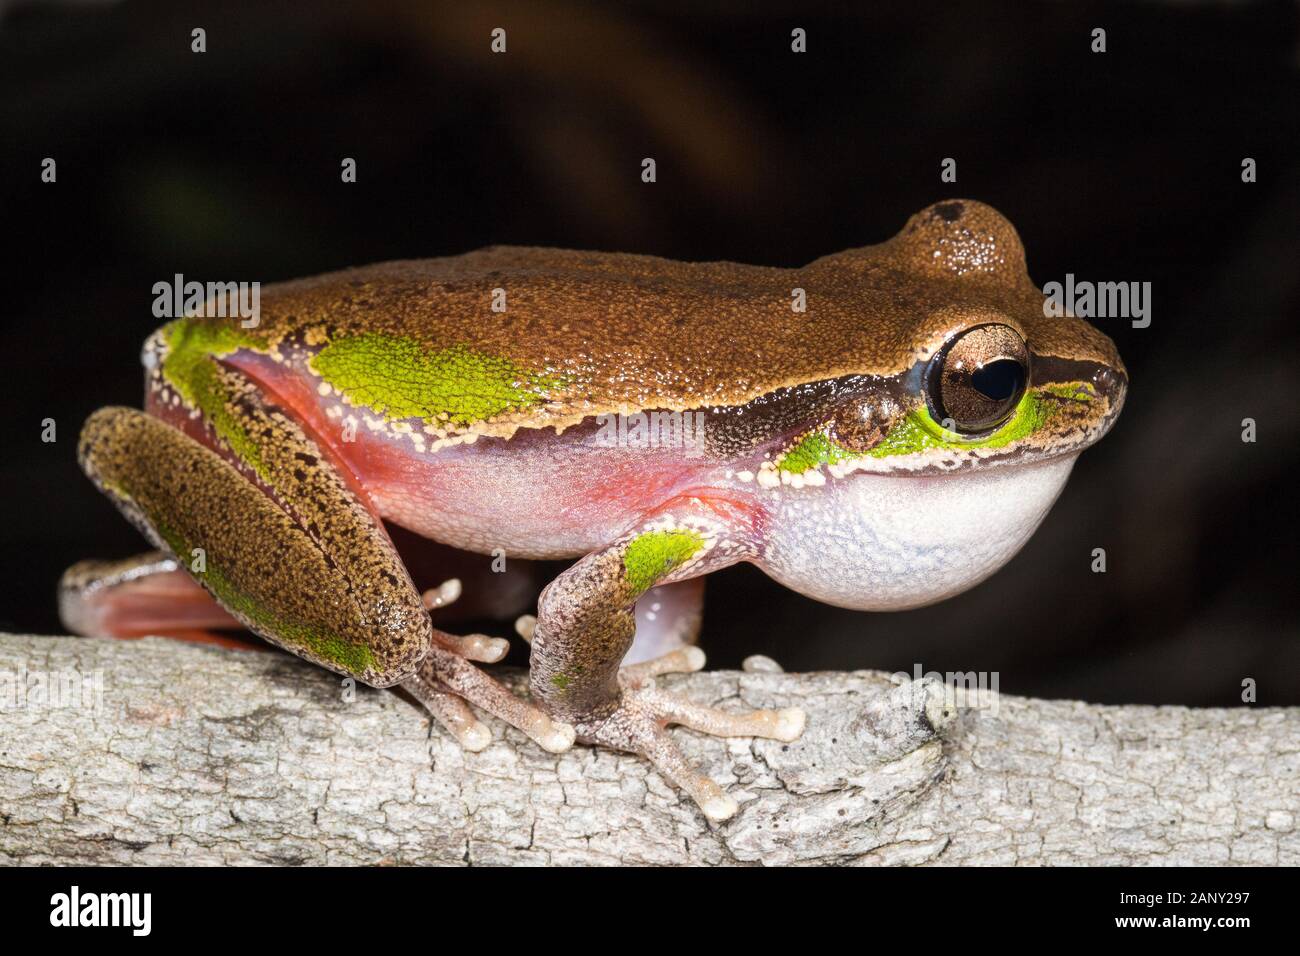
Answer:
(201, 755)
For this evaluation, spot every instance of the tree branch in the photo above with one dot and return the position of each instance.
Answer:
(202, 755)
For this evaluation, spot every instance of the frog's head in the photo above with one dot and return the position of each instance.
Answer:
(925, 469)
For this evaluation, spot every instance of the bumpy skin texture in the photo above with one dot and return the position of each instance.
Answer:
(317, 576)
(810, 446)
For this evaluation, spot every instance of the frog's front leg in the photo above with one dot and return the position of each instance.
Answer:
(586, 624)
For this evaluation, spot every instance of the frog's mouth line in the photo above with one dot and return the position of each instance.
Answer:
(1069, 437)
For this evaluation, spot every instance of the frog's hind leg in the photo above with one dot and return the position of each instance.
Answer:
(144, 596)
(585, 626)
(286, 543)
(273, 534)
(151, 595)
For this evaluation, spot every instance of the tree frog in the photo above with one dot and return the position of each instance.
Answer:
(880, 429)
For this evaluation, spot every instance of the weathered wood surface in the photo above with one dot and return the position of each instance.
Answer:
(202, 755)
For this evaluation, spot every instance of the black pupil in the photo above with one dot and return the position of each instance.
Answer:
(998, 380)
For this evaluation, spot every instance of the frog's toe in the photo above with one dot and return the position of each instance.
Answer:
(450, 711)
(637, 725)
(447, 682)
(760, 664)
(683, 660)
(637, 728)
(443, 595)
(785, 724)
(525, 625)
(476, 647)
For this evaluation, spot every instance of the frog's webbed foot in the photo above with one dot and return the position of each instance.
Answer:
(638, 722)
(447, 683)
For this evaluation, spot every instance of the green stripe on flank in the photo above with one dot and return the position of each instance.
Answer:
(190, 342)
(351, 657)
(398, 378)
(190, 367)
(654, 554)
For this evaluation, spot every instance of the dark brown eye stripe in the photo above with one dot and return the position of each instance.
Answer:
(862, 424)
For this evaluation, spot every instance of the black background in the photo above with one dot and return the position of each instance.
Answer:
(1083, 901)
(1122, 166)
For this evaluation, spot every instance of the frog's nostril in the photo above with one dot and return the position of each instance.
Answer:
(1110, 383)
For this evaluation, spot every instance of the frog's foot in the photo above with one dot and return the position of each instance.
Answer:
(449, 710)
(142, 596)
(682, 660)
(446, 683)
(638, 722)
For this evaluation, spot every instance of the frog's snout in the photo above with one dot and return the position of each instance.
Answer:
(1112, 384)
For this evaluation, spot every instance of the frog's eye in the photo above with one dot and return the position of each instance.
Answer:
(976, 380)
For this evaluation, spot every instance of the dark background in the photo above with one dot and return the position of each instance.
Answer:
(1124, 166)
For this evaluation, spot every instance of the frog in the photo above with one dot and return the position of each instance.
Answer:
(880, 429)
